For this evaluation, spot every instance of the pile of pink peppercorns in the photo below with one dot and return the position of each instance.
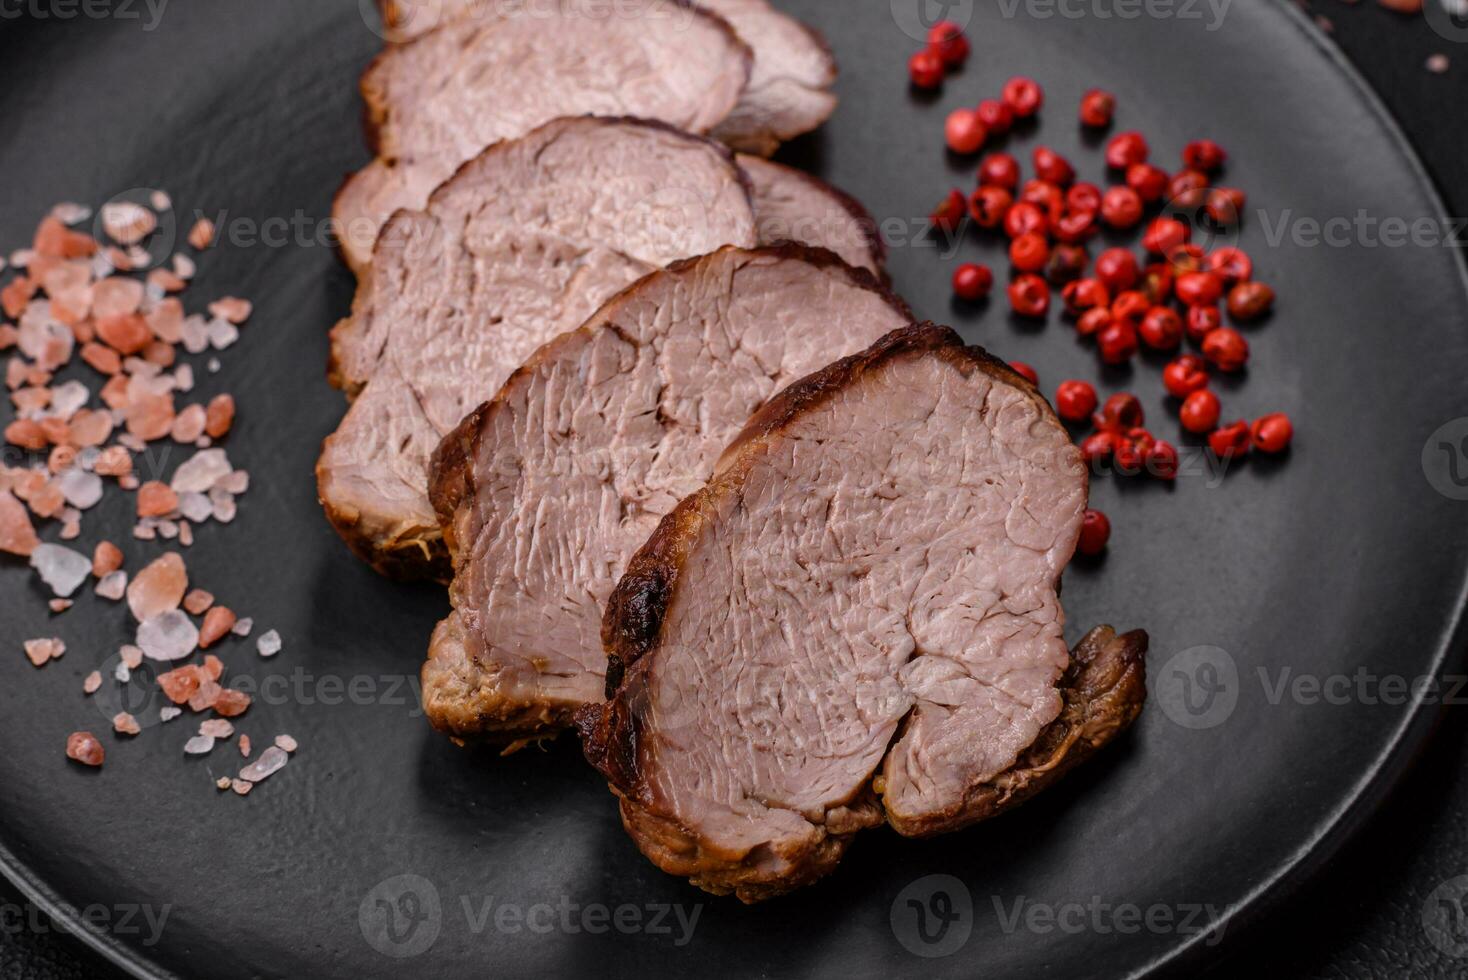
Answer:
(1178, 292)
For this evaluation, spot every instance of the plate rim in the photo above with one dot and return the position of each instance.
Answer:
(1379, 780)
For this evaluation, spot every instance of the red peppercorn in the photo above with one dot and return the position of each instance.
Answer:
(1025, 371)
(972, 282)
(1093, 322)
(1226, 349)
(1200, 411)
(1161, 328)
(1075, 227)
(1204, 155)
(1118, 342)
(1023, 96)
(1185, 375)
(949, 215)
(1122, 412)
(1029, 295)
(1118, 269)
(1185, 258)
(1233, 265)
(1051, 166)
(1085, 294)
(1198, 288)
(1162, 460)
(1186, 191)
(1226, 205)
(1132, 304)
(1095, 533)
(947, 40)
(1130, 456)
(1029, 253)
(988, 205)
(1164, 234)
(964, 133)
(1075, 400)
(1148, 181)
(1083, 197)
(1125, 149)
(1099, 446)
(1025, 218)
(1097, 107)
(997, 117)
(1202, 320)
(1273, 433)
(1249, 301)
(1230, 440)
(1046, 196)
(1067, 264)
(1121, 207)
(1157, 281)
(999, 169)
(926, 69)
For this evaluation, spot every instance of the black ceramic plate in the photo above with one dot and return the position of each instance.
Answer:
(1345, 557)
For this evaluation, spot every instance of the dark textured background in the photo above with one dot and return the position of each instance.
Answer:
(1362, 917)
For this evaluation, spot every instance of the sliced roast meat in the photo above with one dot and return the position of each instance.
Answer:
(548, 489)
(439, 100)
(789, 91)
(524, 243)
(856, 621)
(791, 205)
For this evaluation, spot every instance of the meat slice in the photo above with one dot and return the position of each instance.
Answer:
(791, 205)
(857, 621)
(439, 100)
(524, 243)
(548, 489)
(789, 91)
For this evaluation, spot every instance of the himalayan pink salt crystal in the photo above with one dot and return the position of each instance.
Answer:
(48, 502)
(189, 424)
(271, 761)
(1438, 64)
(205, 697)
(200, 472)
(197, 602)
(60, 568)
(245, 746)
(241, 787)
(159, 588)
(168, 713)
(150, 417)
(81, 489)
(17, 534)
(231, 309)
(83, 747)
(195, 507)
(42, 652)
(183, 266)
(68, 398)
(93, 682)
(71, 528)
(116, 297)
(123, 673)
(179, 685)
(220, 416)
(131, 656)
(217, 624)
(112, 586)
(269, 644)
(222, 334)
(199, 745)
(201, 236)
(243, 627)
(236, 483)
(286, 742)
(127, 223)
(168, 636)
(156, 500)
(185, 534)
(213, 667)
(125, 724)
(90, 428)
(231, 704)
(59, 606)
(107, 558)
(160, 201)
(114, 461)
(165, 321)
(222, 783)
(217, 728)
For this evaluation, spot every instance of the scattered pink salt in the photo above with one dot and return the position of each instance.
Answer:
(231, 309)
(156, 500)
(93, 682)
(106, 558)
(286, 742)
(232, 704)
(60, 605)
(159, 588)
(83, 747)
(217, 624)
(40, 652)
(217, 728)
(245, 746)
(201, 236)
(241, 787)
(125, 724)
(197, 602)
(17, 534)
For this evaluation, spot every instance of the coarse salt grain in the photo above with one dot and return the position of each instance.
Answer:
(269, 644)
(199, 745)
